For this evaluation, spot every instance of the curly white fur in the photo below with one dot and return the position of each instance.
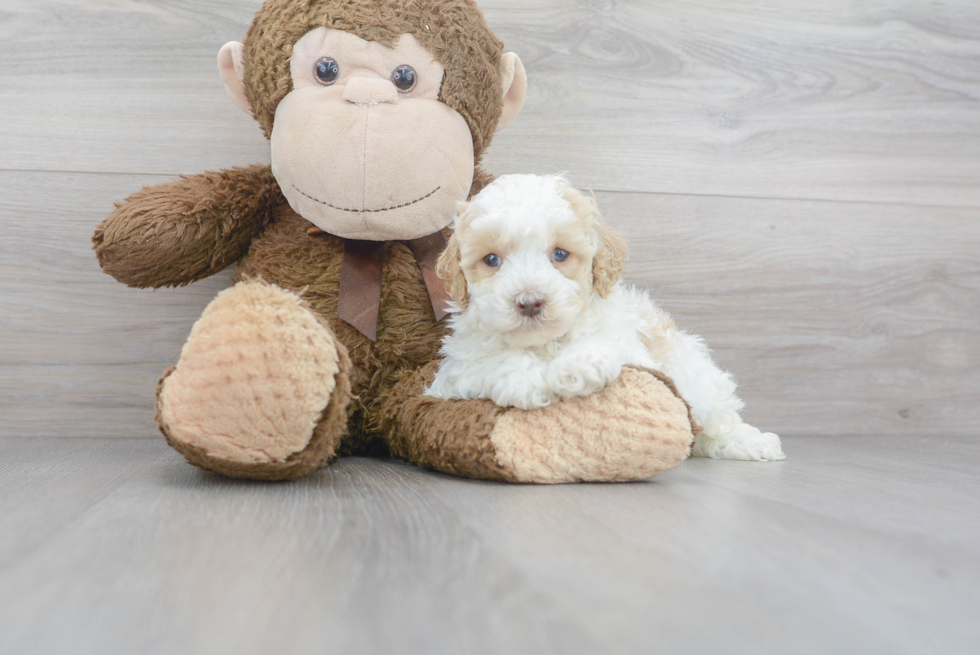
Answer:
(589, 325)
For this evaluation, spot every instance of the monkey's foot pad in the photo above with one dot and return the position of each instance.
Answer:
(257, 380)
(634, 429)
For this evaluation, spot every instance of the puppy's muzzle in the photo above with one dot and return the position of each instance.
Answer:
(529, 306)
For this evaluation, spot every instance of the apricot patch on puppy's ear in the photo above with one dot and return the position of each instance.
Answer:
(450, 270)
(611, 251)
(607, 267)
(231, 67)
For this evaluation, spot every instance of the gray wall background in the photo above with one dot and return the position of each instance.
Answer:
(798, 182)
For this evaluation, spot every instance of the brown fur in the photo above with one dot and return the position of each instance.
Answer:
(453, 30)
(480, 180)
(175, 233)
(178, 232)
(449, 436)
(465, 437)
(408, 335)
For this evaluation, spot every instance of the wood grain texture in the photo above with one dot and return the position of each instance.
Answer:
(841, 100)
(79, 353)
(858, 545)
(850, 316)
(863, 100)
(798, 183)
(837, 318)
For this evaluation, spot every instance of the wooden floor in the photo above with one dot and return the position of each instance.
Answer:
(852, 545)
(798, 181)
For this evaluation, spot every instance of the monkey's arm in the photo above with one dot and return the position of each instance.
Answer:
(175, 233)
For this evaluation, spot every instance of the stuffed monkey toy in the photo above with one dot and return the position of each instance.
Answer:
(378, 112)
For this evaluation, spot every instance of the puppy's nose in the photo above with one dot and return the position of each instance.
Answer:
(529, 306)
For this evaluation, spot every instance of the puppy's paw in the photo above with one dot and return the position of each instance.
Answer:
(744, 442)
(521, 391)
(581, 374)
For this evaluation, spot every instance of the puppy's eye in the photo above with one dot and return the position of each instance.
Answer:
(559, 255)
(404, 78)
(492, 260)
(327, 70)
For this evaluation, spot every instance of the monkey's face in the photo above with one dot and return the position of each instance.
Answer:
(362, 147)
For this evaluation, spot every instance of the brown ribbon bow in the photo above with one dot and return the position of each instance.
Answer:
(360, 280)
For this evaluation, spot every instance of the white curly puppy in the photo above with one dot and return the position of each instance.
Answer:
(539, 314)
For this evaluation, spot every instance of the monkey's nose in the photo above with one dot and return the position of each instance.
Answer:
(370, 91)
(529, 306)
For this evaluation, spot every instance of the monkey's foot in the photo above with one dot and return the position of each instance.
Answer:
(634, 429)
(261, 387)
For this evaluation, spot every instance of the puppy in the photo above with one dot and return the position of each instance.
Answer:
(538, 315)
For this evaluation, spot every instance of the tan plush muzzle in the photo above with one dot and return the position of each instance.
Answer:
(359, 157)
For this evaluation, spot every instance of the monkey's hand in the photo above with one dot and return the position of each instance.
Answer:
(175, 233)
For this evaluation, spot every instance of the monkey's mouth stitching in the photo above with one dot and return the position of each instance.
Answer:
(366, 211)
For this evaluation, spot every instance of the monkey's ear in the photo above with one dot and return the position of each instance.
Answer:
(514, 79)
(232, 70)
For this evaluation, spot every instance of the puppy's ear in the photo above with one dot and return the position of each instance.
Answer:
(449, 270)
(607, 267)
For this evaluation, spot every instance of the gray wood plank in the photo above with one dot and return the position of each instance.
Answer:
(47, 484)
(853, 544)
(274, 568)
(837, 100)
(840, 549)
(865, 100)
(121, 87)
(837, 318)
(79, 353)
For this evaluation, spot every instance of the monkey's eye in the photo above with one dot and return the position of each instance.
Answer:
(559, 255)
(492, 260)
(327, 70)
(404, 78)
